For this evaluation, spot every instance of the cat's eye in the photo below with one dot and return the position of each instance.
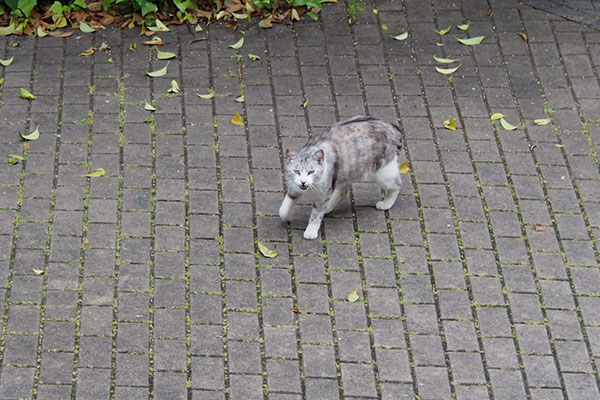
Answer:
(311, 172)
(297, 172)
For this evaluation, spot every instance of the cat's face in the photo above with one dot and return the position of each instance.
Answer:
(303, 170)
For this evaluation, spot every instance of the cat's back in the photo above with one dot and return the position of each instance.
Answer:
(361, 143)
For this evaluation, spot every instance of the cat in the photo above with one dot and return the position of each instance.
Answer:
(360, 148)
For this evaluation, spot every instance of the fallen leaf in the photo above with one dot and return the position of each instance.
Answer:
(174, 87)
(158, 72)
(295, 310)
(384, 27)
(110, 60)
(237, 119)
(464, 26)
(40, 32)
(439, 44)
(96, 173)
(539, 228)
(447, 71)
(155, 41)
(253, 57)
(444, 31)
(61, 34)
(35, 135)
(543, 121)
(303, 105)
(523, 35)
(507, 125)
(560, 146)
(88, 52)
(445, 60)
(165, 55)
(7, 62)
(470, 41)
(104, 47)
(148, 106)
(401, 260)
(496, 116)
(160, 27)
(401, 36)
(26, 94)
(404, 168)
(266, 23)
(450, 124)
(264, 250)
(295, 16)
(240, 99)
(132, 47)
(238, 16)
(375, 11)
(210, 95)
(353, 296)
(14, 159)
(196, 40)
(7, 30)
(237, 45)
(85, 28)
(198, 28)
(38, 271)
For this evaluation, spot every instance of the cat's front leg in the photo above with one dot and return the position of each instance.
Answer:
(285, 211)
(314, 223)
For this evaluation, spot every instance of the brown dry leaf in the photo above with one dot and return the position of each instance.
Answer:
(539, 228)
(61, 34)
(401, 260)
(88, 52)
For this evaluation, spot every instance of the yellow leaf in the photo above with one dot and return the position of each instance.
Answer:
(266, 23)
(404, 168)
(496, 116)
(40, 32)
(35, 135)
(26, 94)
(253, 57)
(240, 99)
(210, 95)
(464, 26)
(38, 271)
(85, 28)
(444, 31)
(237, 119)
(174, 87)
(506, 125)
(450, 124)
(158, 72)
(160, 27)
(264, 250)
(132, 47)
(148, 106)
(544, 121)
(7, 62)
(237, 45)
(470, 41)
(164, 55)
(445, 60)
(523, 35)
(96, 173)
(295, 16)
(401, 36)
(353, 296)
(88, 52)
(447, 71)
(239, 15)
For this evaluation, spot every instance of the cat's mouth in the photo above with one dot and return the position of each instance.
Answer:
(303, 187)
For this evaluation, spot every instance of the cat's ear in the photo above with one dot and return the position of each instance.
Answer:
(290, 154)
(318, 156)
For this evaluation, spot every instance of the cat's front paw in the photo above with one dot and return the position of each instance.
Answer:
(311, 234)
(285, 214)
(382, 205)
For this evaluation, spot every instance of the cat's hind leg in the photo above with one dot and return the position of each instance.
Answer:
(338, 195)
(389, 179)
(285, 210)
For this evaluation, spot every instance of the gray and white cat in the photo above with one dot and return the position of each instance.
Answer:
(361, 148)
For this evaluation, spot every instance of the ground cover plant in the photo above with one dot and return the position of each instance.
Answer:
(53, 18)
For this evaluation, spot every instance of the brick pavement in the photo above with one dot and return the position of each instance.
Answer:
(481, 282)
